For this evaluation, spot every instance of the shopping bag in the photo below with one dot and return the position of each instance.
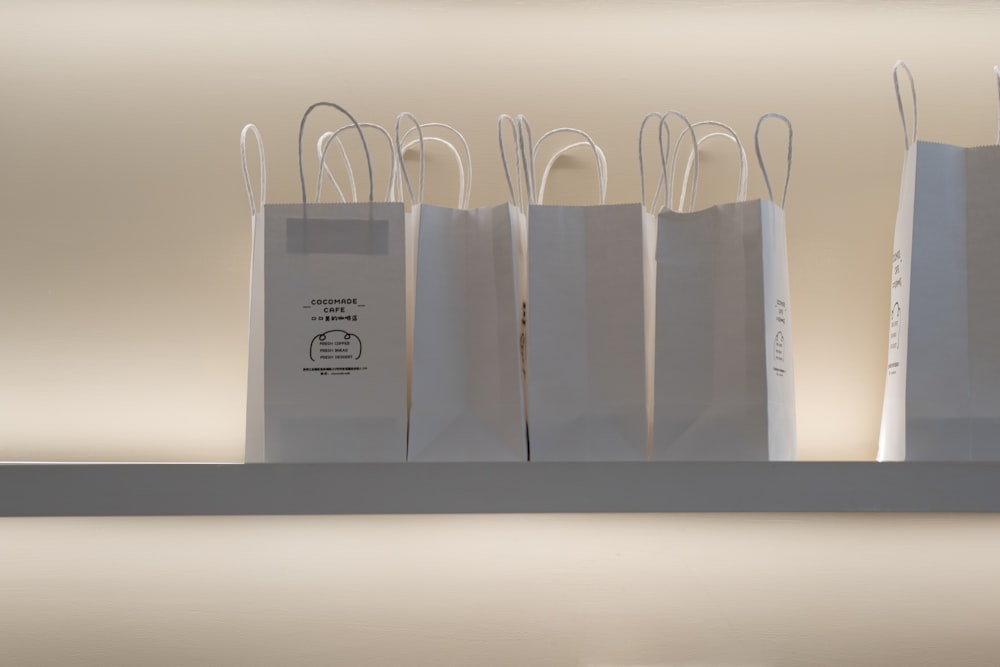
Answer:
(254, 443)
(585, 348)
(724, 372)
(518, 201)
(466, 399)
(651, 207)
(402, 144)
(942, 391)
(334, 382)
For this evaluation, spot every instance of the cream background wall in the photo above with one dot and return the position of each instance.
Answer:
(502, 591)
(123, 279)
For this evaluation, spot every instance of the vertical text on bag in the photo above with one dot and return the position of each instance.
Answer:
(338, 346)
(780, 316)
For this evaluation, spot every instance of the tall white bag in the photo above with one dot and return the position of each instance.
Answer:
(466, 399)
(650, 209)
(334, 381)
(942, 392)
(724, 372)
(254, 445)
(585, 345)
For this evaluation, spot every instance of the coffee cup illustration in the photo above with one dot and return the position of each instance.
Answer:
(336, 345)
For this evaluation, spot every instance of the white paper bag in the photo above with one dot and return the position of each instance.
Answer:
(942, 393)
(586, 366)
(518, 200)
(724, 372)
(664, 188)
(254, 444)
(466, 399)
(334, 329)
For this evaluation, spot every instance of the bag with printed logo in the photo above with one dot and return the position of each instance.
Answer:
(328, 298)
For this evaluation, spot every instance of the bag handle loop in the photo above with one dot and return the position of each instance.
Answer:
(908, 137)
(760, 157)
(323, 145)
(668, 175)
(602, 167)
(462, 192)
(364, 142)
(602, 175)
(725, 132)
(464, 164)
(515, 193)
(254, 207)
(414, 201)
(525, 139)
(642, 167)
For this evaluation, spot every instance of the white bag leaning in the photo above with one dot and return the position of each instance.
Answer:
(724, 372)
(254, 444)
(334, 349)
(466, 398)
(942, 390)
(585, 350)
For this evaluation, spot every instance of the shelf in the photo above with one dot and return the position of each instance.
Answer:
(449, 488)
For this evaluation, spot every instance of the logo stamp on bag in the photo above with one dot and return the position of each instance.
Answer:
(335, 350)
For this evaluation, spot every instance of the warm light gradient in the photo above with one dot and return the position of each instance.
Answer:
(501, 591)
(124, 227)
(124, 242)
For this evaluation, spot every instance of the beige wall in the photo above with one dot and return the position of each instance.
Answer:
(501, 591)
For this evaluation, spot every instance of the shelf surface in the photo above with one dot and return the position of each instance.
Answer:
(448, 488)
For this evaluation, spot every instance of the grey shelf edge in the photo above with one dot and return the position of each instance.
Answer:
(449, 488)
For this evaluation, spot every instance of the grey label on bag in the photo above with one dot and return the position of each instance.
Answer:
(339, 237)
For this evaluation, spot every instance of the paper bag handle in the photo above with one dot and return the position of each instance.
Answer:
(515, 194)
(250, 127)
(462, 191)
(602, 175)
(668, 175)
(414, 200)
(602, 167)
(642, 167)
(525, 142)
(364, 142)
(464, 164)
(726, 132)
(908, 137)
(741, 178)
(323, 145)
(760, 157)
